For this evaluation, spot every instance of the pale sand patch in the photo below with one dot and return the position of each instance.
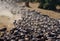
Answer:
(7, 18)
(5, 12)
(5, 22)
(8, 22)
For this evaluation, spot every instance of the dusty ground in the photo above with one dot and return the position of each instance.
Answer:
(5, 21)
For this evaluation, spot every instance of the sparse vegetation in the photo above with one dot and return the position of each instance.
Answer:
(44, 4)
(48, 4)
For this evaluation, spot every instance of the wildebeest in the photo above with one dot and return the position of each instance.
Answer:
(3, 29)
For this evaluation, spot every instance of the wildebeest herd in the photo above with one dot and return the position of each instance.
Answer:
(32, 27)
